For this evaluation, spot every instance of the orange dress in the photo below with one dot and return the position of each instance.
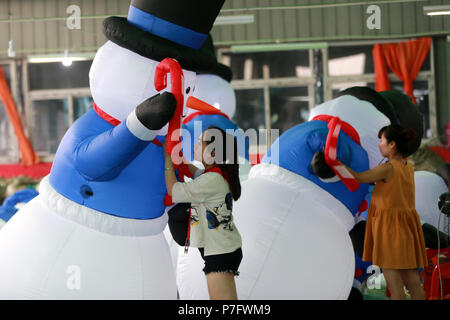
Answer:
(394, 238)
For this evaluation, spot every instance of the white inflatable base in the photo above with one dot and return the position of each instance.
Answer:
(44, 255)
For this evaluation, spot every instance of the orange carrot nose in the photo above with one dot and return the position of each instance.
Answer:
(200, 105)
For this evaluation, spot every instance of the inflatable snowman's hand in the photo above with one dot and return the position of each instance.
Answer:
(151, 116)
(320, 167)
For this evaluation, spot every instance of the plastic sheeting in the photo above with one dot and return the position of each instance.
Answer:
(428, 187)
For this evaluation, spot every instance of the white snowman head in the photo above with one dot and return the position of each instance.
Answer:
(214, 87)
(362, 116)
(367, 111)
(215, 91)
(122, 73)
(121, 79)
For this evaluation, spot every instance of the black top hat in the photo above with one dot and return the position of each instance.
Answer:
(157, 29)
(395, 105)
(219, 69)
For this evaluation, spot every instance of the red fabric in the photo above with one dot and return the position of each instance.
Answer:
(362, 207)
(442, 152)
(168, 200)
(27, 155)
(346, 127)
(405, 59)
(255, 158)
(35, 171)
(382, 82)
(102, 114)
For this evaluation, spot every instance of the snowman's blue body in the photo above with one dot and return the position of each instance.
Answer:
(295, 148)
(110, 169)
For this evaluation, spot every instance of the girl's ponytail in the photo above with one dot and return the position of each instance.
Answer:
(408, 134)
(229, 163)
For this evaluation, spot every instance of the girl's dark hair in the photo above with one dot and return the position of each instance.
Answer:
(400, 135)
(228, 166)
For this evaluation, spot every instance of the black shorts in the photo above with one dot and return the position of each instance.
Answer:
(226, 262)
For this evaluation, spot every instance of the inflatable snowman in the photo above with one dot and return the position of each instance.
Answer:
(95, 230)
(295, 225)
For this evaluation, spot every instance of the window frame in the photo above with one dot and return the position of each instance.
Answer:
(13, 76)
(423, 75)
(266, 83)
(48, 94)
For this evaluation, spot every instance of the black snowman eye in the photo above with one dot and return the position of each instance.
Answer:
(188, 90)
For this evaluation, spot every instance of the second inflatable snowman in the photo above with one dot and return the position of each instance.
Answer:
(294, 224)
(95, 230)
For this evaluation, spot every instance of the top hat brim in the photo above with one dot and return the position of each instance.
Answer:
(126, 35)
(220, 70)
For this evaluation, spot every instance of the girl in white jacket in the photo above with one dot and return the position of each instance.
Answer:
(211, 228)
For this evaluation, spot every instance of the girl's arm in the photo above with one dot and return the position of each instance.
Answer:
(381, 172)
(169, 173)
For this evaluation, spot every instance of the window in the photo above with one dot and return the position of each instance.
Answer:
(50, 123)
(58, 96)
(9, 149)
(8, 141)
(350, 60)
(288, 107)
(353, 66)
(56, 76)
(250, 114)
(81, 105)
(7, 72)
(280, 64)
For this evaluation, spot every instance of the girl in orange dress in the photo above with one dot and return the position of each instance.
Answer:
(394, 239)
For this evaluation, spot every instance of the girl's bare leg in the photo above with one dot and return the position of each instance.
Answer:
(411, 279)
(395, 283)
(221, 286)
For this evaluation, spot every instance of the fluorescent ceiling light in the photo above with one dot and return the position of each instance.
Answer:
(436, 10)
(234, 19)
(278, 47)
(60, 58)
(11, 52)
